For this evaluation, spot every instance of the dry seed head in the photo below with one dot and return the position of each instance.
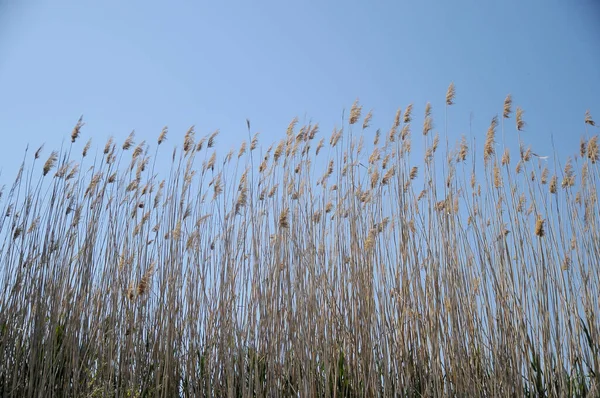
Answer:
(429, 155)
(211, 162)
(163, 135)
(319, 146)
(242, 198)
(62, 170)
(406, 146)
(539, 227)
(450, 94)
(413, 172)
(497, 177)
(520, 122)
(370, 240)
(387, 176)
(93, 183)
(405, 131)
(355, 112)
(569, 177)
(301, 136)
(313, 131)
(145, 282)
(544, 178)
(441, 205)
(488, 149)
(263, 166)
(138, 150)
(273, 190)
(588, 118)
(519, 167)
(506, 157)
(463, 150)
(328, 207)
(392, 134)
(592, 149)
(188, 141)
(385, 161)
(242, 149)
(38, 152)
(367, 120)
(131, 291)
(507, 107)
(200, 144)
(397, 117)
(436, 142)
(254, 142)
(108, 145)
(73, 172)
(283, 219)
(77, 129)
(129, 141)
(427, 125)
(407, 113)
(377, 136)
(374, 178)
(86, 148)
(375, 156)
(427, 110)
(217, 187)
(291, 126)
(582, 147)
(211, 139)
(50, 162)
(278, 150)
(335, 137)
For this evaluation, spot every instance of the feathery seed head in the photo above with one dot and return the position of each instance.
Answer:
(188, 141)
(588, 118)
(163, 135)
(283, 218)
(407, 113)
(50, 162)
(355, 112)
(520, 122)
(367, 120)
(592, 149)
(539, 227)
(397, 117)
(77, 129)
(129, 141)
(450, 94)
(507, 107)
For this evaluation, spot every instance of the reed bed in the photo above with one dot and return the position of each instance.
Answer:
(319, 266)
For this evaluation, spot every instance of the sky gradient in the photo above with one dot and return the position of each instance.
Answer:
(143, 65)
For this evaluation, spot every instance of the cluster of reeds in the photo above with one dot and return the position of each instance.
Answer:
(338, 266)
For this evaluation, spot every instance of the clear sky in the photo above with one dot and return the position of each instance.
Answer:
(141, 65)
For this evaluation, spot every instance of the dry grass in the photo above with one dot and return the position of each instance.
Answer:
(318, 270)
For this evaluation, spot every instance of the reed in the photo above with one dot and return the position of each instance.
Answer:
(327, 268)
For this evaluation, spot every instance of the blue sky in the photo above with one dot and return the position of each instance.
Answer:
(140, 65)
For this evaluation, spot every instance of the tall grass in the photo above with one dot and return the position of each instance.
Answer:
(337, 266)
